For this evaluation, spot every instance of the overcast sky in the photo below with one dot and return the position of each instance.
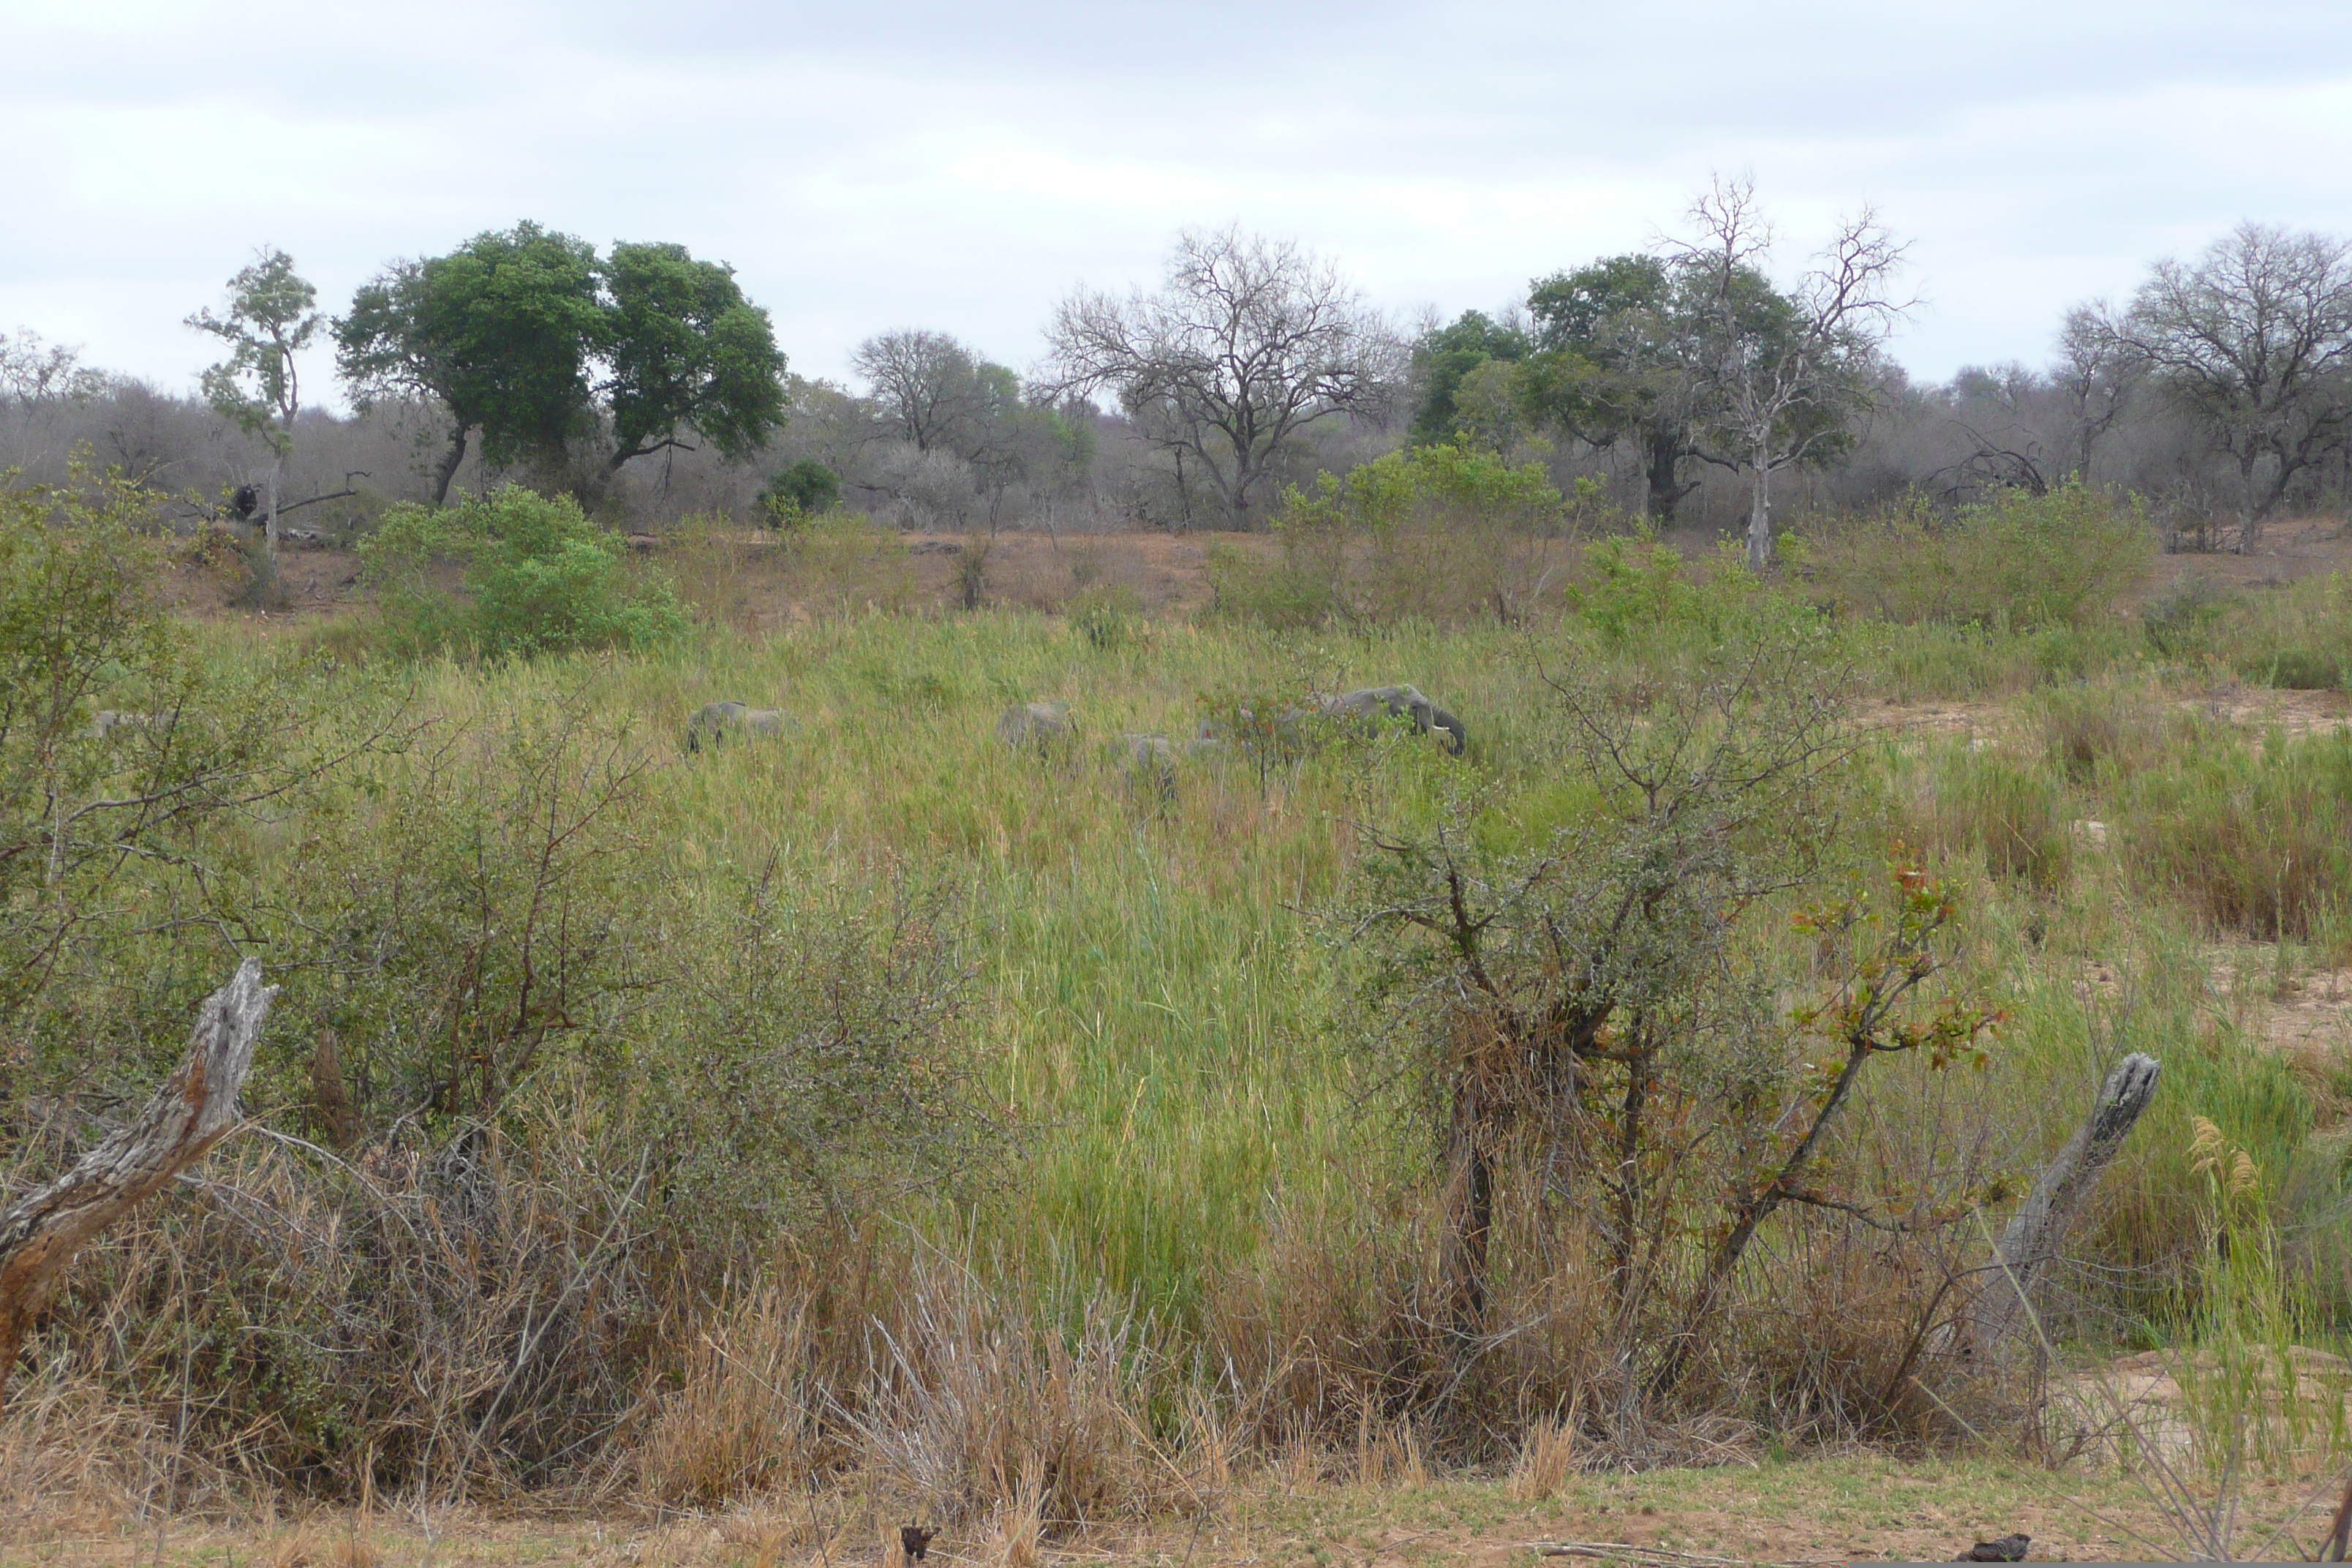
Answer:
(960, 167)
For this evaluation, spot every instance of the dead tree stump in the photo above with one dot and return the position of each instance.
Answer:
(187, 1116)
(2034, 1232)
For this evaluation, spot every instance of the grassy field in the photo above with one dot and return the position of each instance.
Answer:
(2147, 834)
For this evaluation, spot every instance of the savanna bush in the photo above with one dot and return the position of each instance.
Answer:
(539, 575)
(122, 753)
(1447, 533)
(2016, 561)
(797, 492)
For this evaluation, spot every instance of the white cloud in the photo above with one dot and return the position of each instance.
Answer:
(960, 167)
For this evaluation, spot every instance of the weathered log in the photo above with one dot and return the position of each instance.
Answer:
(187, 1116)
(2035, 1231)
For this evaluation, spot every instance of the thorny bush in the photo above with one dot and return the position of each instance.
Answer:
(1588, 1021)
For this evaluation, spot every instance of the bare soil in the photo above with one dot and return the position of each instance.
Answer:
(1836, 1509)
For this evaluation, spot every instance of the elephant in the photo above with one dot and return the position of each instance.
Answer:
(1036, 726)
(1400, 702)
(1151, 762)
(716, 719)
(1290, 733)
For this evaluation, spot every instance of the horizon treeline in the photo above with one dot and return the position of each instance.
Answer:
(1697, 384)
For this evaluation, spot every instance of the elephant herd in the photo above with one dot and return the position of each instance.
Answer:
(1043, 728)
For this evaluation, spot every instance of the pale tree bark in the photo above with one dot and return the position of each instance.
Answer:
(187, 1116)
(1773, 360)
(2035, 1231)
(1759, 509)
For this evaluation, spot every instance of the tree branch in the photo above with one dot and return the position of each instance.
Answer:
(194, 1109)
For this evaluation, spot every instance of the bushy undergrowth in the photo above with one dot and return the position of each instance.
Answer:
(2017, 562)
(1440, 533)
(539, 577)
(872, 1099)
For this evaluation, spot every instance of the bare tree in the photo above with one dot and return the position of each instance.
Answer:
(2096, 377)
(1789, 371)
(38, 380)
(1248, 343)
(920, 380)
(32, 372)
(2253, 341)
(958, 419)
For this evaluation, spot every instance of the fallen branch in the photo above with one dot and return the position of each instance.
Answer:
(2040, 1224)
(187, 1116)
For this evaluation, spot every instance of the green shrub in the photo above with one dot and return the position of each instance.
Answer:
(799, 491)
(1282, 594)
(2014, 815)
(1447, 534)
(2183, 623)
(1105, 613)
(841, 561)
(540, 577)
(2017, 562)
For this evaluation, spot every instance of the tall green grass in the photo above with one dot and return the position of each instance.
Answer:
(1160, 1023)
(1156, 1020)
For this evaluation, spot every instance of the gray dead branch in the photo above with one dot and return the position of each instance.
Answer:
(194, 1109)
(2035, 1232)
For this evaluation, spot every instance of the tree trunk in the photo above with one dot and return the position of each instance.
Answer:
(186, 1117)
(446, 470)
(269, 518)
(1665, 450)
(2040, 1224)
(1759, 509)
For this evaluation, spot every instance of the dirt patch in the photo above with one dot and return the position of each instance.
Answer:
(207, 578)
(1167, 573)
(2291, 550)
(2296, 714)
(1818, 1511)
(2138, 1400)
(1977, 720)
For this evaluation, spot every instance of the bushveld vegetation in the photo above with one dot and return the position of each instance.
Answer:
(1037, 1132)
(876, 1106)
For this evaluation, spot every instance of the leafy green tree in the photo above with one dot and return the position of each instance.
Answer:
(1444, 356)
(540, 578)
(1616, 342)
(269, 318)
(498, 333)
(121, 750)
(685, 351)
(804, 489)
